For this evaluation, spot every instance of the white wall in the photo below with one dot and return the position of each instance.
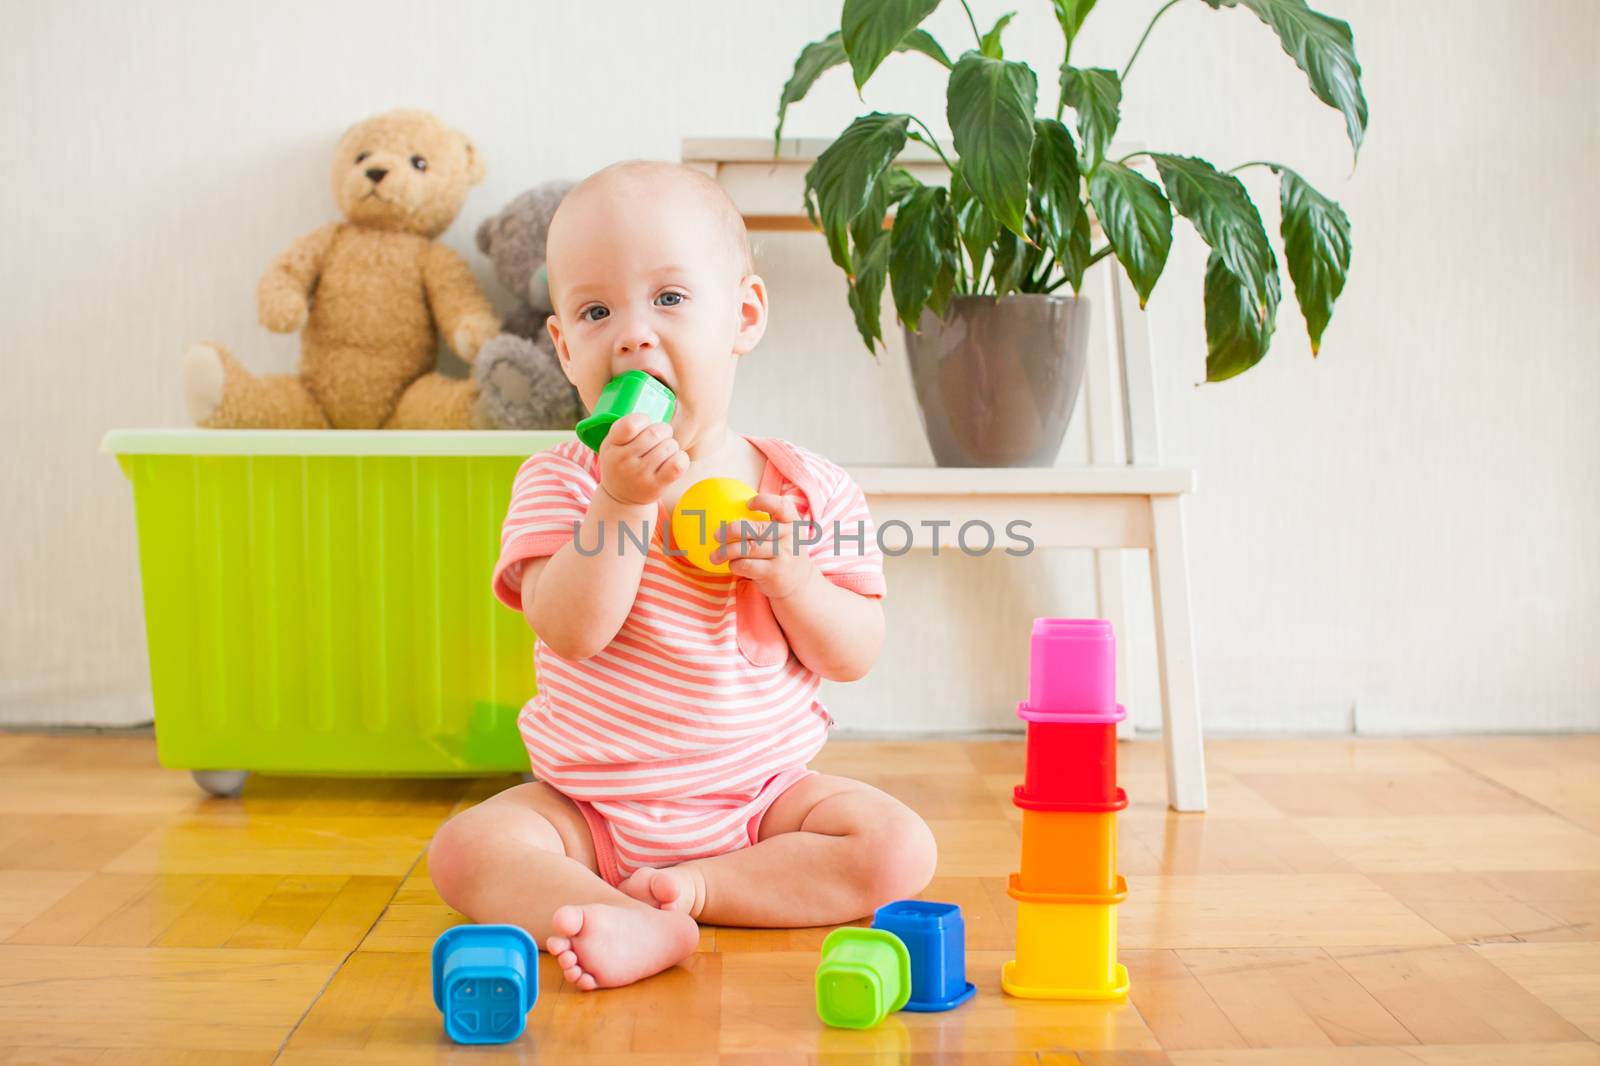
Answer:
(1398, 536)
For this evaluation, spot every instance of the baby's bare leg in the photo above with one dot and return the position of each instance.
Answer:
(525, 857)
(831, 850)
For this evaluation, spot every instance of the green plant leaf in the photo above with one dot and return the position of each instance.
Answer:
(815, 59)
(1316, 246)
(1076, 262)
(978, 227)
(1070, 14)
(1056, 186)
(871, 29)
(990, 44)
(1237, 337)
(843, 176)
(1010, 263)
(1228, 221)
(944, 286)
(1096, 95)
(866, 293)
(990, 108)
(1137, 221)
(1325, 49)
(1033, 256)
(1071, 261)
(871, 248)
(921, 244)
(922, 41)
(818, 57)
(892, 186)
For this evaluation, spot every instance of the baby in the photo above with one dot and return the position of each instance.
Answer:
(677, 709)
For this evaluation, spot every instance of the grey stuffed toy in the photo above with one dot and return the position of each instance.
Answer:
(520, 382)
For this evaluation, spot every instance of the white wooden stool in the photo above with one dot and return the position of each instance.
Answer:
(1123, 499)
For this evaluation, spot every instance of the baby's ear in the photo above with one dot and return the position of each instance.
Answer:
(552, 325)
(752, 313)
(475, 167)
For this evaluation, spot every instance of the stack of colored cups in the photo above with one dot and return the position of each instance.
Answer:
(1068, 888)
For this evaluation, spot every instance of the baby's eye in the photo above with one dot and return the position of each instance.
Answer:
(670, 299)
(593, 314)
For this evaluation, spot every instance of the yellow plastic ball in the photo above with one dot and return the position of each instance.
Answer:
(714, 501)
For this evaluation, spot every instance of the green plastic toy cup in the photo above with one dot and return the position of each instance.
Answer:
(624, 394)
(865, 976)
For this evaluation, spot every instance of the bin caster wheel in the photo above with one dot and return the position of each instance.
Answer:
(227, 783)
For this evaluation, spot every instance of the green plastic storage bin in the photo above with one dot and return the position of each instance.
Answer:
(319, 601)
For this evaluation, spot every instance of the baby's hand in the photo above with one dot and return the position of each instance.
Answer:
(778, 570)
(639, 459)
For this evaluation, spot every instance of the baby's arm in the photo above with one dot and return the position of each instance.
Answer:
(836, 632)
(577, 602)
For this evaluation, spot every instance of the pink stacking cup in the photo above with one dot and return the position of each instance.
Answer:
(1072, 666)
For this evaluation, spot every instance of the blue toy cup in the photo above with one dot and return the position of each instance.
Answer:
(936, 937)
(485, 981)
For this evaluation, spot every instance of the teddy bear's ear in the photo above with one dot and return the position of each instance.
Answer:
(475, 168)
(486, 234)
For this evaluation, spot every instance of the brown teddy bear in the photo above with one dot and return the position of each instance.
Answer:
(372, 295)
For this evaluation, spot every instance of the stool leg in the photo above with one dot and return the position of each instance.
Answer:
(1111, 592)
(1180, 693)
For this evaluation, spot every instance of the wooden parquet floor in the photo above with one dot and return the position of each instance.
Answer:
(1362, 902)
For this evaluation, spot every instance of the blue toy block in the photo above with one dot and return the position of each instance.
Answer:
(485, 981)
(936, 937)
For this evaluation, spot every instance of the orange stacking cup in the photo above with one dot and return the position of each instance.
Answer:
(1070, 851)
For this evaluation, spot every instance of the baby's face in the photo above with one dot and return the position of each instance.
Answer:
(642, 278)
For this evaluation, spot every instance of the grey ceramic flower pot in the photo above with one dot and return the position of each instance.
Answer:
(997, 378)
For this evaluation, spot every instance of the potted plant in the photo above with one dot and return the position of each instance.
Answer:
(974, 266)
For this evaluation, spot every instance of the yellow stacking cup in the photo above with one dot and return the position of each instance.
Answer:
(1066, 946)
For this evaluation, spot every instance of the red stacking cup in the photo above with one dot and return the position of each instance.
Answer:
(1071, 758)
(1072, 666)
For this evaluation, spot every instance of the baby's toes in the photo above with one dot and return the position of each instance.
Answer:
(666, 891)
(586, 983)
(567, 959)
(637, 884)
(566, 921)
(573, 973)
(556, 945)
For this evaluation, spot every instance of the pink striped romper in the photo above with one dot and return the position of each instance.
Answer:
(675, 739)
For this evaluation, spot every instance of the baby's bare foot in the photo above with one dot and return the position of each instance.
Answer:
(602, 945)
(678, 888)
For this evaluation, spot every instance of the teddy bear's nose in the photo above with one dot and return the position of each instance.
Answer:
(376, 174)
